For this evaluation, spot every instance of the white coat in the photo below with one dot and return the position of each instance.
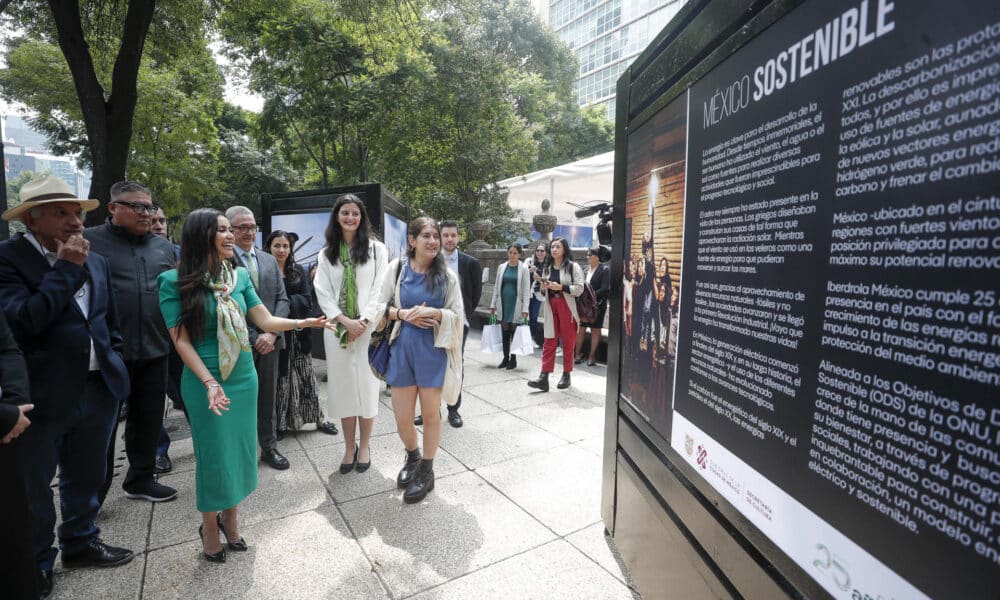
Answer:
(573, 282)
(523, 291)
(352, 389)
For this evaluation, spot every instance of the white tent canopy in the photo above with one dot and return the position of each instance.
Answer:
(580, 182)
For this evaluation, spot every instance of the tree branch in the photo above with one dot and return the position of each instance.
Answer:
(4, 4)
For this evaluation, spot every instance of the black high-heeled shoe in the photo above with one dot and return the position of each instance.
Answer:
(239, 545)
(361, 467)
(218, 557)
(346, 468)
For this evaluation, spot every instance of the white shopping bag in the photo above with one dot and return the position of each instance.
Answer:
(492, 339)
(522, 344)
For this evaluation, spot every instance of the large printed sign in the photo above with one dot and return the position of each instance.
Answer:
(835, 368)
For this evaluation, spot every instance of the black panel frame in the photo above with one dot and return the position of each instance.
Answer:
(743, 560)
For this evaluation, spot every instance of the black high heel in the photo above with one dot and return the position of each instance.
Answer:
(361, 467)
(239, 545)
(348, 467)
(218, 557)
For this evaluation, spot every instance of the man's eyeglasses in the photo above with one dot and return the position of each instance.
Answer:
(246, 229)
(138, 208)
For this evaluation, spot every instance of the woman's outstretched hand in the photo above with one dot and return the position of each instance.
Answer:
(317, 322)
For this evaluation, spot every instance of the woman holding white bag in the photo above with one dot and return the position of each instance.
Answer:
(511, 293)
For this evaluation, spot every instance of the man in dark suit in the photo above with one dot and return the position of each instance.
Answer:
(266, 278)
(57, 297)
(470, 278)
(18, 569)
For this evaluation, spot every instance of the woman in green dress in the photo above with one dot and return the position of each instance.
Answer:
(205, 302)
(511, 294)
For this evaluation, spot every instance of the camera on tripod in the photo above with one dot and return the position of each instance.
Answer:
(605, 210)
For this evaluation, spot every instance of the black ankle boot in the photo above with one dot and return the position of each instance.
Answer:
(504, 363)
(410, 467)
(563, 381)
(422, 483)
(542, 383)
(512, 363)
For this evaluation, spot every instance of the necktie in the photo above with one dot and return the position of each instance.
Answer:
(252, 268)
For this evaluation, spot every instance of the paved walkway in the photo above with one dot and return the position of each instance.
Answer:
(515, 512)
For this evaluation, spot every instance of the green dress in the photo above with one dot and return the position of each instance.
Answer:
(225, 448)
(508, 294)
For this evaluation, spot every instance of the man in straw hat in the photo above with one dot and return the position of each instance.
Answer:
(57, 298)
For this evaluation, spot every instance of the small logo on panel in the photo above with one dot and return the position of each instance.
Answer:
(688, 444)
(702, 458)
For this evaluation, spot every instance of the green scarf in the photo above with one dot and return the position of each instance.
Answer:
(348, 300)
(232, 326)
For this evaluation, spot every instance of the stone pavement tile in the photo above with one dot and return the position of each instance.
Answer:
(125, 522)
(463, 525)
(597, 545)
(385, 424)
(511, 395)
(594, 444)
(473, 404)
(479, 373)
(305, 556)
(495, 438)
(119, 582)
(278, 493)
(589, 386)
(554, 571)
(560, 487)
(387, 458)
(571, 418)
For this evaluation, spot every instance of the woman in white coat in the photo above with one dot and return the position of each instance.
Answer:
(510, 294)
(561, 281)
(348, 281)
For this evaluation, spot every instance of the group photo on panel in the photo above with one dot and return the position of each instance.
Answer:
(108, 323)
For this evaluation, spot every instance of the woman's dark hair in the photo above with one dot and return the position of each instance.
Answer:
(567, 253)
(198, 258)
(334, 235)
(291, 275)
(516, 246)
(595, 251)
(437, 274)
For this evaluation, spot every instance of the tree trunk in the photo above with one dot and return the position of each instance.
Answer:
(108, 122)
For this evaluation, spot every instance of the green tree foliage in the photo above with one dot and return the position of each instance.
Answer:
(323, 69)
(14, 195)
(135, 65)
(244, 169)
(436, 100)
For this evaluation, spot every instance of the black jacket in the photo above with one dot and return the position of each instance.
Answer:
(13, 379)
(601, 282)
(470, 278)
(135, 263)
(38, 301)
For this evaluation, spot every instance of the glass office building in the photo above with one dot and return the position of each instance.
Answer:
(606, 36)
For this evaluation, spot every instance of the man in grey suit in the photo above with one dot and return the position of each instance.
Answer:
(266, 278)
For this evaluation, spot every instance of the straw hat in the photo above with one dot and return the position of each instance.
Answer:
(45, 190)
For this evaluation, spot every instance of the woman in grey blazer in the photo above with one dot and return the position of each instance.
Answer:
(511, 293)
